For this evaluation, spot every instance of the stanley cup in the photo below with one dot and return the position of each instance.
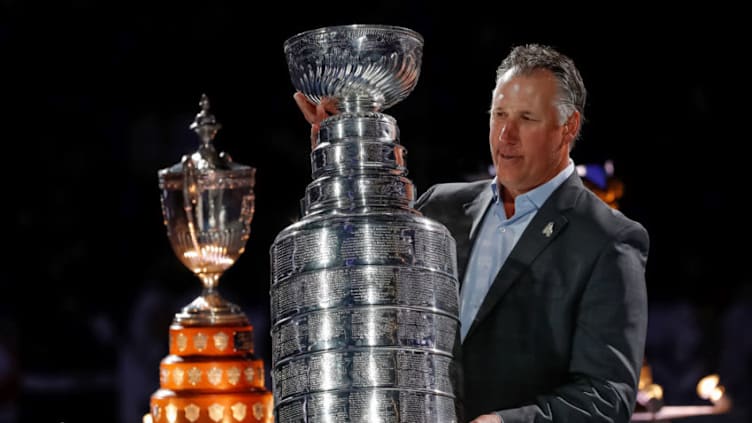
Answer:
(364, 292)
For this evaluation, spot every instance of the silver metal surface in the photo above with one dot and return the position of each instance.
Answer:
(367, 155)
(370, 405)
(400, 368)
(373, 326)
(360, 286)
(364, 67)
(326, 193)
(364, 293)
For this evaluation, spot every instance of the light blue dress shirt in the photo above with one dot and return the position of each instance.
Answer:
(497, 236)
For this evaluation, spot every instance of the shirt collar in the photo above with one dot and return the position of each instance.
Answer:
(540, 194)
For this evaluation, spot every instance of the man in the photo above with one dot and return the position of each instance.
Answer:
(553, 297)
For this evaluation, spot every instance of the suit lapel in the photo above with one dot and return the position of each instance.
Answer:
(474, 210)
(541, 231)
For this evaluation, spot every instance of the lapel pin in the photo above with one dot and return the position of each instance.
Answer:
(548, 230)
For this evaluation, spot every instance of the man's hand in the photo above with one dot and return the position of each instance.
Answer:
(488, 418)
(315, 113)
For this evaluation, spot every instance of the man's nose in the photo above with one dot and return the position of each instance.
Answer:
(508, 131)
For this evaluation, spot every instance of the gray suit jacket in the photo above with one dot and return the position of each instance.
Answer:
(560, 335)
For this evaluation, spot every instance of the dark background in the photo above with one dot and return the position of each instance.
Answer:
(96, 97)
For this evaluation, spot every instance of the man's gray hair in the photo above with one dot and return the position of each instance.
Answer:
(525, 59)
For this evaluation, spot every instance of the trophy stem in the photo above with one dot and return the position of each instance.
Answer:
(210, 280)
(210, 308)
(359, 104)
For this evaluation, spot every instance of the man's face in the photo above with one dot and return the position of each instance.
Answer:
(528, 144)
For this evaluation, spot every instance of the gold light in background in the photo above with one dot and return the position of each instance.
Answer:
(601, 180)
(710, 388)
(649, 394)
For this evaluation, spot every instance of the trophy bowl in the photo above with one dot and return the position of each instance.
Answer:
(208, 203)
(362, 67)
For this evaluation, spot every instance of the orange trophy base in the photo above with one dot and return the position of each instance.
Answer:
(211, 376)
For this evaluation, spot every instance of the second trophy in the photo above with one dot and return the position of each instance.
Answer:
(364, 292)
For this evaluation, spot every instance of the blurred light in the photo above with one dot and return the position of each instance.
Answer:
(651, 397)
(596, 174)
(654, 391)
(709, 388)
(601, 180)
(649, 394)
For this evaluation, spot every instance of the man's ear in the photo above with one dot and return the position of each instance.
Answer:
(572, 126)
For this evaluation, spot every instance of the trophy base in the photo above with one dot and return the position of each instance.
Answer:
(210, 309)
(170, 407)
(211, 375)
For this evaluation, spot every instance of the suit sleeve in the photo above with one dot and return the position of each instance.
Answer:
(423, 199)
(608, 341)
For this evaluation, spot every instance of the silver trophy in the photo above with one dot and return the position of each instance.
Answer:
(364, 292)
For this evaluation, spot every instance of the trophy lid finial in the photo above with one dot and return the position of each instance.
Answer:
(206, 158)
(205, 124)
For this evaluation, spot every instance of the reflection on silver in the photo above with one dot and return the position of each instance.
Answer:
(374, 326)
(408, 286)
(399, 368)
(372, 405)
(364, 295)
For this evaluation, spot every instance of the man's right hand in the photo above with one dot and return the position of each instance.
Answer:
(315, 113)
(487, 418)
